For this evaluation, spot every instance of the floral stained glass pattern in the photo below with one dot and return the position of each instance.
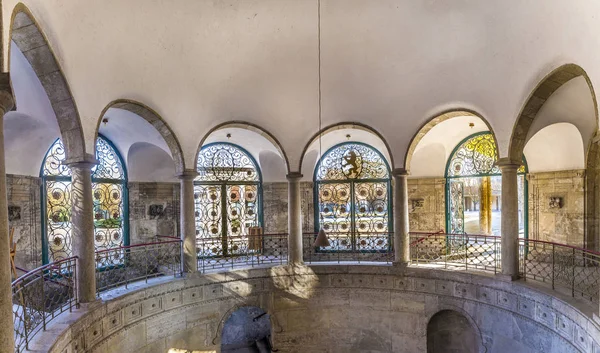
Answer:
(108, 195)
(227, 195)
(476, 157)
(353, 197)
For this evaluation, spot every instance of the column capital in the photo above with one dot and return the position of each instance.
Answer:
(7, 102)
(187, 174)
(294, 176)
(508, 164)
(87, 162)
(399, 172)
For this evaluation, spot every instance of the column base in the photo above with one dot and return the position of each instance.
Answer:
(507, 278)
(90, 305)
(400, 267)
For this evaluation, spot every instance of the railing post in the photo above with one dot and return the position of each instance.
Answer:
(43, 302)
(553, 262)
(525, 246)
(466, 240)
(573, 275)
(495, 255)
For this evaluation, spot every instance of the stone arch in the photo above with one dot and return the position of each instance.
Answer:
(152, 117)
(592, 195)
(431, 123)
(452, 330)
(346, 125)
(248, 126)
(27, 35)
(540, 94)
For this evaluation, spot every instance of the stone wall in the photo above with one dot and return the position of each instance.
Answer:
(426, 204)
(24, 204)
(327, 309)
(275, 207)
(563, 223)
(153, 210)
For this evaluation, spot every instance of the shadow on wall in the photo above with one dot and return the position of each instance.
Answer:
(449, 331)
(247, 330)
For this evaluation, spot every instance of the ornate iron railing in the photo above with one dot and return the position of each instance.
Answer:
(41, 295)
(246, 251)
(566, 268)
(126, 264)
(367, 247)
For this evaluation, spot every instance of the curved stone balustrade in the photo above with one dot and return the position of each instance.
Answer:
(329, 309)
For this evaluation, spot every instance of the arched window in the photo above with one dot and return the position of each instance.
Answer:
(472, 180)
(109, 183)
(352, 198)
(228, 198)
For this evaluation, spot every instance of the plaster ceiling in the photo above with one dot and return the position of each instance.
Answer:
(32, 128)
(434, 149)
(391, 64)
(555, 147)
(125, 128)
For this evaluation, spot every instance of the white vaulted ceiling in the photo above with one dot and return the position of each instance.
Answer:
(390, 64)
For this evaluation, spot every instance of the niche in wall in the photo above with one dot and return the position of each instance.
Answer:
(449, 331)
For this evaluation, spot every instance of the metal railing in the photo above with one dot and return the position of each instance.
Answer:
(246, 251)
(44, 293)
(570, 269)
(123, 265)
(39, 296)
(343, 247)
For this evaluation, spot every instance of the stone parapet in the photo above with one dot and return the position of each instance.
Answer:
(327, 308)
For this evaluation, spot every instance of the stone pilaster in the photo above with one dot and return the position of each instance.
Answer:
(189, 255)
(7, 341)
(510, 219)
(401, 223)
(294, 219)
(82, 219)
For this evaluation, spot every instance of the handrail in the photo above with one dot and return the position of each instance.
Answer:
(137, 246)
(40, 295)
(427, 235)
(561, 265)
(36, 271)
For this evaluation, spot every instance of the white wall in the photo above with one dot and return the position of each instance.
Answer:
(148, 162)
(392, 64)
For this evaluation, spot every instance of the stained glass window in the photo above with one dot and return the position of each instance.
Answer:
(352, 194)
(473, 159)
(476, 156)
(227, 197)
(109, 196)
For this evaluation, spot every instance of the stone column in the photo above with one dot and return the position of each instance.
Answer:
(82, 220)
(294, 219)
(189, 257)
(510, 219)
(401, 236)
(6, 315)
